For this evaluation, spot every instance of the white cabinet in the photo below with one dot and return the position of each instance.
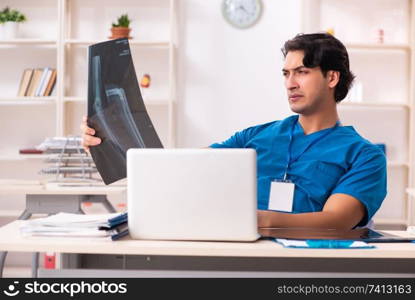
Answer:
(57, 34)
(152, 46)
(379, 37)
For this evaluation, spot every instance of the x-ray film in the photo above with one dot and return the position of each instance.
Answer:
(116, 109)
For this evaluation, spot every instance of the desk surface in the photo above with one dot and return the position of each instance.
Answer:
(11, 240)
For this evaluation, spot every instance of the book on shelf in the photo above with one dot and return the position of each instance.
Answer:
(24, 82)
(50, 83)
(34, 83)
(42, 82)
(37, 82)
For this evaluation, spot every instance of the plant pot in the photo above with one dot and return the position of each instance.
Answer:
(10, 30)
(120, 32)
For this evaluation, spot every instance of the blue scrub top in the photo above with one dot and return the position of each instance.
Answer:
(340, 162)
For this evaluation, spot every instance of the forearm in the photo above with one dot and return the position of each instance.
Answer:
(322, 219)
(341, 211)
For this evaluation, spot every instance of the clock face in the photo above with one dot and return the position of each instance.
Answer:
(241, 13)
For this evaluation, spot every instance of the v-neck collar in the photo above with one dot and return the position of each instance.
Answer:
(300, 129)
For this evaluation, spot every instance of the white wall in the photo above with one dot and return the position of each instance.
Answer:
(229, 79)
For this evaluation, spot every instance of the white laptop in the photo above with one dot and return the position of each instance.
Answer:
(192, 194)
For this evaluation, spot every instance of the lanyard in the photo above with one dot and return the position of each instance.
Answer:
(291, 159)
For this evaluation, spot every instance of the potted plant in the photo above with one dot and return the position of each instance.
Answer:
(121, 29)
(9, 21)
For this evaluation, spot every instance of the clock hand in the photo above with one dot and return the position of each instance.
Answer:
(242, 8)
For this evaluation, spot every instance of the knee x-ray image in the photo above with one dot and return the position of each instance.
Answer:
(116, 109)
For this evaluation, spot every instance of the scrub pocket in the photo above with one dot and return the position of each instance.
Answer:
(328, 174)
(314, 182)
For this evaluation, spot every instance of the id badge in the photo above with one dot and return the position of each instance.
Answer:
(281, 196)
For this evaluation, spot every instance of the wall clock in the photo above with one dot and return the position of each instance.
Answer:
(242, 13)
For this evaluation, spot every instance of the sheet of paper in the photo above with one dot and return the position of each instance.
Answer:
(66, 224)
(323, 244)
(75, 220)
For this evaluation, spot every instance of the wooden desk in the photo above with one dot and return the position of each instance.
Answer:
(260, 256)
(12, 240)
(50, 199)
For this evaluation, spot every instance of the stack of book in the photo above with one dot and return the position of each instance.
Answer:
(112, 226)
(37, 82)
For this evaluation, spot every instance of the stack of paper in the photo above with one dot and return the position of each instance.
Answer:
(59, 143)
(73, 225)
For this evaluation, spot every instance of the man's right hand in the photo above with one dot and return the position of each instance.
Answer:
(88, 138)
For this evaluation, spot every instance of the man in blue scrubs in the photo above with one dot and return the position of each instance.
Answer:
(338, 178)
(311, 170)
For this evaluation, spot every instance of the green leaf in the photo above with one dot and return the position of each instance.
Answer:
(122, 21)
(8, 15)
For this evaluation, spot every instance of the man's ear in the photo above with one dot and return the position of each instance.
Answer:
(333, 78)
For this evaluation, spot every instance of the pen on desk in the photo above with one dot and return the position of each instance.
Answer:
(119, 235)
(329, 243)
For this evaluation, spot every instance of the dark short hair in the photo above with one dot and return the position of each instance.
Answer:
(325, 51)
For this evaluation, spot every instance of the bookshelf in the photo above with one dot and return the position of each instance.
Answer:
(29, 42)
(56, 35)
(381, 49)
(372, 46)
(26, 100)
(155, 44)
(152, 45)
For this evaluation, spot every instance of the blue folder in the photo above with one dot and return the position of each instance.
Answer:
(119, 225)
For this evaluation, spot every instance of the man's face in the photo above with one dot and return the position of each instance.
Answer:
(307, 89)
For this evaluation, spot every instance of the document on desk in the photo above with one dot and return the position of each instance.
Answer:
(116, 109)
(72, 225)
(361, 234)
(324, 244)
